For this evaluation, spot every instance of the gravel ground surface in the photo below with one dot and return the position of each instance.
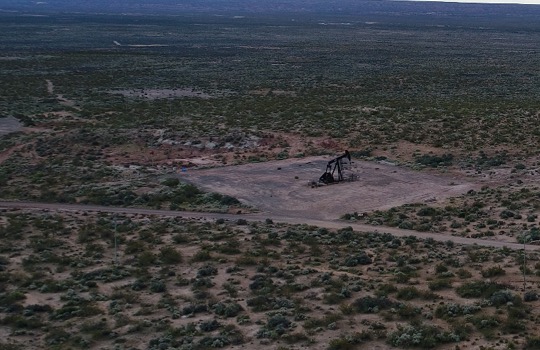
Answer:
(283, 187)
(9, 125)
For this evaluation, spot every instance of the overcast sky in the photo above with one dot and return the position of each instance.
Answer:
(531, 2)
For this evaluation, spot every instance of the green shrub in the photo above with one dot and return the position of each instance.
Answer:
(532, 235)
(37, 308)
(146, 258)
(275, 326)
(532, 343)
(293, 338)
(201, 255)
(261, 284)
(260, 303)
(158, 286)
(231, 289)
(505, 214)
(322, 322)
(407, 311)
(385, 289)
(409, 293)
(478, 289)
(352, 341)
(434, 160)
(493, 271)
(370, 304)
(341, 344)
(185, 193)
(171, 182)
(420, 335)
(57, 336)
(241, 222)
(501, 297)
(169, 255)
(452, 310)
(463, 274)
(207, 270)
(230, 247)
(333, 298)
(358, 259)
(246, 260)
(192, 309)
(202, 282)
(229, 309)
(12, 297)
(180, 238)
(134, 246)
(440, 283)
(514, 325)
(209, 326)
(530, 296)
(486, 324)
(440, 268)
(19, 321)
(98, 330)
(76, 309)
(427, 211)
(228, 201)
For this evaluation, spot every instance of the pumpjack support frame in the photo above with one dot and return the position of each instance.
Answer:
(333, 166)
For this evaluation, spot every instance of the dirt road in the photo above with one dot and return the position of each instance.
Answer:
(330, 224)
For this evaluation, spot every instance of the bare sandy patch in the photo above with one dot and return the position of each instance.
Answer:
(50, 86)
(9, 125)
(283, 187)
(153, 94)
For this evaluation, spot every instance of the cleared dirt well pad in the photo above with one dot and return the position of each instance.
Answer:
(9, 125)
(282, 187)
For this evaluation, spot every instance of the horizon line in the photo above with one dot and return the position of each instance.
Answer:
(484, 2)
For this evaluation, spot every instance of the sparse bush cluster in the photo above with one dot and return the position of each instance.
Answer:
(282, 286)
(505, 210)
(422, 336)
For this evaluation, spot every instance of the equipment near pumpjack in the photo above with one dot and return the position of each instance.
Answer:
(331, 167)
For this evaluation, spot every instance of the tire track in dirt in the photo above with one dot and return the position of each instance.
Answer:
(257, 217)
(7, 153)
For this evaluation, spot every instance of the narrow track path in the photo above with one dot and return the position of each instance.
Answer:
(330, 224)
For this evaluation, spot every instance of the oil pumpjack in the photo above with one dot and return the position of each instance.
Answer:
(333, 166)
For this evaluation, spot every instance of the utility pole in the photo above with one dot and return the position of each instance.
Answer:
(115, 244)
(524, 264)
(525, 259)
